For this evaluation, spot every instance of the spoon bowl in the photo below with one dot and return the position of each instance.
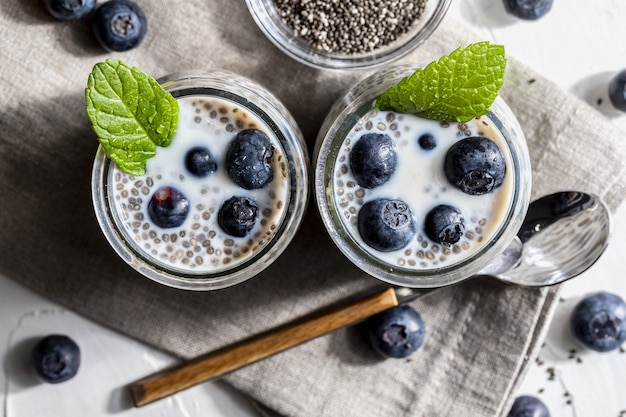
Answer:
(563, 235)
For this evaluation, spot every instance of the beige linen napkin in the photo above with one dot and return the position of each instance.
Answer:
(480, 335)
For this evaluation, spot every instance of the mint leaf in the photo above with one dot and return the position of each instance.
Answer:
(130, 113)
(459, 86)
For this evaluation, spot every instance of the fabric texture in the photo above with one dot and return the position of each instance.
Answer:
(480, 334)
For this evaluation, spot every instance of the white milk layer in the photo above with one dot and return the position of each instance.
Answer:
(199, 246)
(420, 181)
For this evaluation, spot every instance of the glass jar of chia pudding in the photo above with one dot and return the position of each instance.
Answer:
(197, 219)
(407, 199)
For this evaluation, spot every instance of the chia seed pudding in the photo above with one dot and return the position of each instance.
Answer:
(420, 181)
(387, 195)
(194, 245)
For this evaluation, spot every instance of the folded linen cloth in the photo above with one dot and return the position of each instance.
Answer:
(480, 334)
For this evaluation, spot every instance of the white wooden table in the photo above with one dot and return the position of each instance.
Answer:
(579, 45)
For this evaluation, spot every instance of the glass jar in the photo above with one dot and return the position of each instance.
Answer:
(269, 20)
(198, 254)
(422, 263)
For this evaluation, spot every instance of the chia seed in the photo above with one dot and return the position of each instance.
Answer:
(349, 26)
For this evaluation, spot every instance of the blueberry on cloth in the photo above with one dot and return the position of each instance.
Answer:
(386, 225)
(237, 216)
(168, 207)
(200, 162)
(55, 358)
(617, 90)
(475, 165)
(396, 332)
(528, 9)
(528, 406)
(119, 25)
(70, 9)
(249, 159)
(598, 321)
(444, 224)
(373, 159)
(427, 142)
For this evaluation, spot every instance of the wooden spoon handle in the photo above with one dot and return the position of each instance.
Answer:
(218, 363)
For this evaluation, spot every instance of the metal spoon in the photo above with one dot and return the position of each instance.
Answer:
(562, 235)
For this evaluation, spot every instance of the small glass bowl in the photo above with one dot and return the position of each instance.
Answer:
(330, 147)
(280, 34)
(197, 255)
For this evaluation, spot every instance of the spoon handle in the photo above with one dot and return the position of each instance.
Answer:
(215, 364)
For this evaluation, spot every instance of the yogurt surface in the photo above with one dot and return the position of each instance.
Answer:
(420, 181)
(199, 245)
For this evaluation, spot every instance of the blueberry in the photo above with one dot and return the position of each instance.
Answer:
(427, 142)
(617, 90)
(249, 159)
(528, 9)
(200, 162)
(386, 225)
(444, 224)
(373, 159)
(237, 216)
(396, 332)
(55, 358)
(528, 406)
(119, 25)
(598, 321)
(475, 165)
(168, 207)
(70, 9)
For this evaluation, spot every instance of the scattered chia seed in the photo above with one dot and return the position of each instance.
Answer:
(349, 26)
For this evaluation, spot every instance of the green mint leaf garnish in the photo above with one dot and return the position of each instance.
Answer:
(130, 113)
(459, 86)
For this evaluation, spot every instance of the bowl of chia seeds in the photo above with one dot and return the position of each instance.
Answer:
(347, 34)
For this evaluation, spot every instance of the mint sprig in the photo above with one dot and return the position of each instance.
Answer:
(459, 86)
(130, 113)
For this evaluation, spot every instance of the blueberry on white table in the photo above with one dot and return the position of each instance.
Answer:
(56, 358)
(397, 332)
(528, 9)
(617, 90)
(168, 207)
(598, 321)
(249, 159)
(373, 159)
(119, 25)
(70, 9)
(528, 406)
(475, 165)
(386, 224)
(237, 216)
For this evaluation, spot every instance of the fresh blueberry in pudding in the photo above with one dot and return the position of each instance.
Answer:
(237, 216)
(70, 9)
(386, 225)
(168, 207)
(444, 224)
(427, 142)
(249, 159)
(55, 358)
(200, 162)
(475, 165)
(396, 332)
(528, 9)
(598, 321)
(119, 25)
(373, 159)
(528, 406)
(617, 91)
